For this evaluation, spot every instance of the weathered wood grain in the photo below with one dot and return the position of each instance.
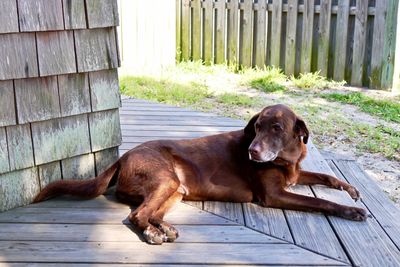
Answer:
(232, 211)
(60, 138)
(40, 15)
(13, 183)
(100, 202)
(178, 27)
(4, 163)
(323, 36)
(102, 13)
(126, 233)
(74, 94)
(56, 52)
(208, 32)
(307, 34)
(246, 38)
(220, 32)
(104, 90)
(378, 249)
(389, 47)
(20, 148)
(49, 172)
(18, 54)
(117, 252)
(260, 46)
(79, 167)
(276, 31)
(341, 39)
(382, 208)
(7, 104)
(105, 131)
(360, 33)
(291, 30)
(233, 32)
(190, 128)
(196, 29)
(197, 204)
(105, 158)
(8, 16)
(185, 31)
(74, 14)
(37, 99)
(267, 220)
(96, 49)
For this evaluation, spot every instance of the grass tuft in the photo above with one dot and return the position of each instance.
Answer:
(312, 80)
(385, 109)
(236, 100)
(268, 80)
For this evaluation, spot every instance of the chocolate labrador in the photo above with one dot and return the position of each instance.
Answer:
(255, 164)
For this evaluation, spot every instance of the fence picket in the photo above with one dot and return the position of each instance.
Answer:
(341, 39)
(247, 33)
(185, 32)
(233, 31)
(276, 30)
(360, 32)
(290, 52)
(323, 36)
(220, 32)
(306, 47)
(260, 48)
(196, 28)
(208, 32)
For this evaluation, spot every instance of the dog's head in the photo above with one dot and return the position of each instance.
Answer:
(275, 131)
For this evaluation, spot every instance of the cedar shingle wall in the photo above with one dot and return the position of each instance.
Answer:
(59, 93)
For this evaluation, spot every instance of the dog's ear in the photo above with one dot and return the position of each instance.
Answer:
(249, 130)
(301, 129)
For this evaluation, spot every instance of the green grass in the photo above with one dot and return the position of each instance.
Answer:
(236, 100)
(163, 90)
(267, 80)
(385, 109)
(313, 80)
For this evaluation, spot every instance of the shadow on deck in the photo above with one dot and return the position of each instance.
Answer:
(70, 232)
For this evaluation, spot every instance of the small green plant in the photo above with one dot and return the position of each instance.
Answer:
(388, 110)
(268, 80)
(236, 100)
(312, 80)
(164, 91)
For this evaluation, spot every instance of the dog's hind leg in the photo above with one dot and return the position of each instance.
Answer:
(157, 219)
(156, 195)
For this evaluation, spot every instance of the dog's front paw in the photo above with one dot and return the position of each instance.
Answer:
(154, 236)
(353, 192)
(355, 214)
(170, 231)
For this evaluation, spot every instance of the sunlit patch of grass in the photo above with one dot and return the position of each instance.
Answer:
(388, 110)
(312, 80)
(163, 91)
(236, 100)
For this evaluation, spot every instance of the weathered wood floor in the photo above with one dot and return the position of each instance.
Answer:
(65, 231)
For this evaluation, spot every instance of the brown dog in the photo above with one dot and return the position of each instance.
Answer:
(254, 164)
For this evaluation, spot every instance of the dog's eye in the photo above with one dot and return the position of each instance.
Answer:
(277, 127)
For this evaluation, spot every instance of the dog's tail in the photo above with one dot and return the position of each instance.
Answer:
(82, 188)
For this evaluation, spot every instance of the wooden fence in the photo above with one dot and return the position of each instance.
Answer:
(352, 40)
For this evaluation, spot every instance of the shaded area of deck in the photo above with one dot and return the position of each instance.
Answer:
(67, 231)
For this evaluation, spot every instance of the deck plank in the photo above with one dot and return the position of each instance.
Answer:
(126, 233)
(188, 253)
(232, 211)
(377, 247)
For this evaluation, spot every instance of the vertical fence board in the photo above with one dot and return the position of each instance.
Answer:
(378, 42)
(276, 29)
(247, 34)
(306, 47)
(208, 32)
(185, 42)
(178, 27)
(260, 47)
(290, 52)
(196, 29)
(389, 47)
(220, 32)
(360, 31)
(323, 36)
(233, 31)
(341, 39)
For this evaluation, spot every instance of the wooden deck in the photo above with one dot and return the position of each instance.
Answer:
(68, 232)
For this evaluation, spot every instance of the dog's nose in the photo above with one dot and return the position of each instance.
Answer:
(254, 150)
